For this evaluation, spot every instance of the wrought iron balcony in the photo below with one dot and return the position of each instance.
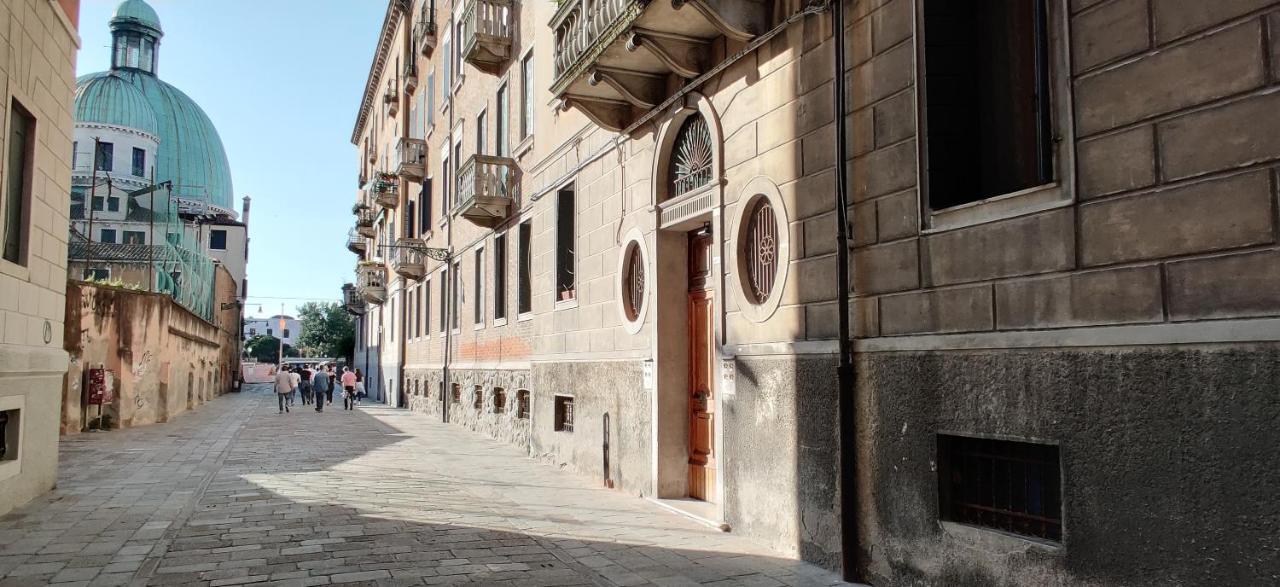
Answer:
(356, 242)
(410, 77)
(486, 33)
(352, 300)
(485, 189)
(410, 159)
(371, 278)
(613, 58)
(408, 260)
(424, 31)
(386, 190)
(366, 217)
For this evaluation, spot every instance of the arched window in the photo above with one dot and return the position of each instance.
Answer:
(760, 250)
(691, 157)
(633, 282)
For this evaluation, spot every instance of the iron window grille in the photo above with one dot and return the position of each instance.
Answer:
(522, 404)
(456, 394)
(478, 398)
(691, 157)
(564, 414)
(499, 400)
(760, 250)
(1001, 484)
(633, 282)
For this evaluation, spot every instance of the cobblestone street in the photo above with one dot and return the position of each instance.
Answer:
(235, 493)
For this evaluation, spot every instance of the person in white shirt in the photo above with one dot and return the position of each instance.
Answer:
(297, 380)
(284, 386)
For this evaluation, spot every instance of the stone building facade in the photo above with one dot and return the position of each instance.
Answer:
(1063, 253)
(38, 45)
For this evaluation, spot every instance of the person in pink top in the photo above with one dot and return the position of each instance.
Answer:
(348, 389)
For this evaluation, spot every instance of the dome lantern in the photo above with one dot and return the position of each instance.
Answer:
(135, 37)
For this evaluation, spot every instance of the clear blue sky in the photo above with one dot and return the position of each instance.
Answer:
(282, 81)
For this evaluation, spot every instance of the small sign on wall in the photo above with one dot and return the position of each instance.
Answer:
(728, 376)
(100, 388)
(647, 373)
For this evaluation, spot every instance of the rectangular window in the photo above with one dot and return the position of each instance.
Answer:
(526, 96)
(426, 308)
(482, 131)
(113, 204)
(269, 332)
(1006, 485)
(477, 398)
(17, 183)
(135, 237)
(500, 277)
(75, 154)
(448, 67)
(499, 400)
(457, 162)
(108, 235)
(392, 321)
(524, 270)
(105, 157)
(455, 393)
(457, 299)
(139, 162)
(99, 203)
(431, 99)
(444, 299)
(444, 188)
(97, 274)
(425, 212)
(501, 122)
(218, 240)
(478, 298)
(522, 404)
(564, 414)
(285, 333)
(10, 425)
(987, 102)
(566, 283)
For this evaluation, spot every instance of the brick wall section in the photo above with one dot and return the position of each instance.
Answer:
(1174, 212)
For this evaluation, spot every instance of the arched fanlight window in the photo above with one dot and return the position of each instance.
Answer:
(760, 250)
(633, 282)
(691, 156)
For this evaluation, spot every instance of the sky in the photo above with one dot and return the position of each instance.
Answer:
(282, 81)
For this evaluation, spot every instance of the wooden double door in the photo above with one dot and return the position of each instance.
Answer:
(701, 393)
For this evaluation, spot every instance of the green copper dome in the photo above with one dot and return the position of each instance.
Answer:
(136, 12)
(110, 99)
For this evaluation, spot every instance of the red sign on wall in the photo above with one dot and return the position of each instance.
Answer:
(99, 387)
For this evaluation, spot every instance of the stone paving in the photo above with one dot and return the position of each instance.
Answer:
(235, 493)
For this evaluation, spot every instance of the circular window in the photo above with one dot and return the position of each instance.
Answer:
(760, 250)
(633, 282)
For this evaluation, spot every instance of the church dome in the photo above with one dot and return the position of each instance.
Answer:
(190, 153)
(108, 98)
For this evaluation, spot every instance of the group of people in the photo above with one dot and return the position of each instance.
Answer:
(316, 386)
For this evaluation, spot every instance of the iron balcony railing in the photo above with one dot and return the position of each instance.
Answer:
(392, 98)
(366, 217)
(408, 259)
(486, 32)
(371, 278)
(356, 242)
(424, 31)
(410, 77)
(386, 190)
(584, 29)
(485, 185)
(410, 158)
(353, 300)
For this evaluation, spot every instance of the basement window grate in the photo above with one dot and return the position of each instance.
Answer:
(1001, 484)
(564, 414)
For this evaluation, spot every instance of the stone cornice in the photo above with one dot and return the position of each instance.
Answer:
(396, 10)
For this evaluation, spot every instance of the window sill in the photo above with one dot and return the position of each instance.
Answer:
(479, 326)
(996, 541)
(566, 304)
(499, 322)
(525, 145)
(524, 317)
(1028, 201)
(15, 270)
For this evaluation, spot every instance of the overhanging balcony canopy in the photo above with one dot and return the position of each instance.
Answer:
(485, 189)
(613, 58)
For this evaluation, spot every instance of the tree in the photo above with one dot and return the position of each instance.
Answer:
(266, 349)
(327, 330)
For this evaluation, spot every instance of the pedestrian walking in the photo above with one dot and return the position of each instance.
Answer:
(332, 383)
(305, 387)
(296, 378)
(319, 387)
(284, 385)
(348, 389)
(360, 393)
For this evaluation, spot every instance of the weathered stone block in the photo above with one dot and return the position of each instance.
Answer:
(1207, 216)
(857, 42)
(787, 324)
(891, 24)
(815, 69)
(884, 75)
(819, 235)
(817, 151)
(1176, 18)
(822, 321)
(1234, 135)
(966, 309)
(1120, 296)
(883, 171)
(811, 195)
(864, 224)
(898, 216)
(1224, 63)
(866, 317)
(1116, 163)
(1273, 33)
(1231, 286)
(887, 268)
(815, 279)
(741, 146)
(1111, 31)
(895, 119)
(859, 132)
(1040, 243)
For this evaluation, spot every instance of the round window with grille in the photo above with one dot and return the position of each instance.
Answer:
(633, 282)
(760, 250)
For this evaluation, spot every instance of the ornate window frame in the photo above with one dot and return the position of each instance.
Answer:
(756, 189)
(633, 241)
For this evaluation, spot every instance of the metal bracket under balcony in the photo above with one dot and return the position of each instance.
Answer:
(487, 33)
(371, 279)
(356, 243)
(411, 159)
(485, 189)
(424, 32)
(410, 78)
(614, 59)
(407, 258)
(365, 219)
(386, 190)
(392, 98)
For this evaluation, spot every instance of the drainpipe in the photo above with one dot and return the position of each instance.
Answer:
(845, 371)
